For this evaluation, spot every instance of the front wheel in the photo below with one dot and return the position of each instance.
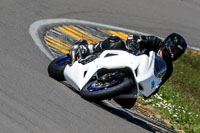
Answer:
(57, 66)
(100, 90)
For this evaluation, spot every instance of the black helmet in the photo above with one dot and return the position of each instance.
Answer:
(175, 45)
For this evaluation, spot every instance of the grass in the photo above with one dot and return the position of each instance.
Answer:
(178, 99)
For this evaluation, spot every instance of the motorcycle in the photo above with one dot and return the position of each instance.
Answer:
(112, 74)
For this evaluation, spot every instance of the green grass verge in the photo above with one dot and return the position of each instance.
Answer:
(179, 98)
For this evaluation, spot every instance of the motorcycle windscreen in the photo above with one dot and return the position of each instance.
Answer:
(160, 67)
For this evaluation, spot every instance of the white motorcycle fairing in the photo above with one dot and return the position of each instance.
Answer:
(142, 68)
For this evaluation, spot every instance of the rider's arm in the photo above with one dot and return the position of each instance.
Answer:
(93, 48)
(154, 43)
(150, 42)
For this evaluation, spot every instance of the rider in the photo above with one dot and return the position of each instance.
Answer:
(170, 49)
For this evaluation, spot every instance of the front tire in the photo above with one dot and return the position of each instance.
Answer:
(91, 93)
(57, 66)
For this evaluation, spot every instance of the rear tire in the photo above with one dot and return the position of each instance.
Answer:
(108, 92)
(57, 66)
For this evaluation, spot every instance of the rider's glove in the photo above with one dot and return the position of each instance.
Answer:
(84, 50)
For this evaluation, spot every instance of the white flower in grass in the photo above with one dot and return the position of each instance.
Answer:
(158, 104)
(175, 116)
(170, 112)
(190, 113)
(161, 103)
(165, 106)
(158, 97)
(150, 100)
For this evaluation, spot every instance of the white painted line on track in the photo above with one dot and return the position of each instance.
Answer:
(194, 48)
(34, 32)
(36, 26)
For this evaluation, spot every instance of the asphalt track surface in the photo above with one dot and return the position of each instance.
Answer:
(31, 102)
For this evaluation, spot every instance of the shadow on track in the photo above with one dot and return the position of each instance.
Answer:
(128, 116)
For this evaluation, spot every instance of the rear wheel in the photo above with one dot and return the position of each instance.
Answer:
(57, 66)
(107, 86)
